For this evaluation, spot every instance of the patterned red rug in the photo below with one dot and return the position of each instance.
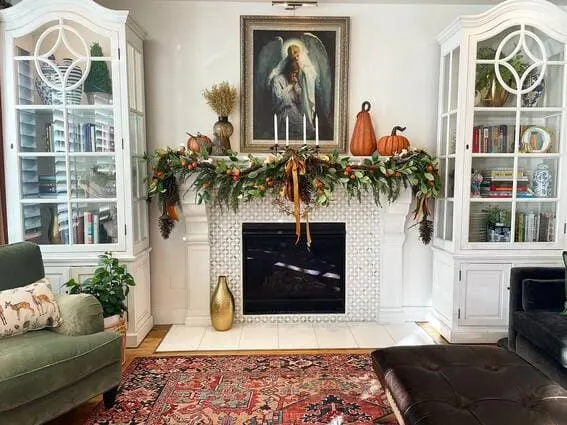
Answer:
(252, 390)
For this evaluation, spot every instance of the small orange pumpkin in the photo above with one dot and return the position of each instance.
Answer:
(195, 142)
(363, 141)
(394, 143)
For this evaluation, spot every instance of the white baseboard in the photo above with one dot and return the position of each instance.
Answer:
(404, 314)
(134, 339)
(169, 317)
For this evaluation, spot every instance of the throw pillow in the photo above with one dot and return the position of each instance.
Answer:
(28, 308)
(543, 294)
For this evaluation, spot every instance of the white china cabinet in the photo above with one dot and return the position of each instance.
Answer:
(74, 135)
(501, 148)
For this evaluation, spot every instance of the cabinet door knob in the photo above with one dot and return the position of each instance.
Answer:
(467, 147)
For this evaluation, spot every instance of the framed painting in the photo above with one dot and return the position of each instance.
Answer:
(294, 78)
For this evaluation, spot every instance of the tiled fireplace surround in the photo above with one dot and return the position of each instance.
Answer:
(374, 240)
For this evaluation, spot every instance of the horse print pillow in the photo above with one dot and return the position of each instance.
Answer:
(28, 308)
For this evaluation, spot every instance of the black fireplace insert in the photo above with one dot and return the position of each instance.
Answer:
(282, 277)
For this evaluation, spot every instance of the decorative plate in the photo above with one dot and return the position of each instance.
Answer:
(536, 139)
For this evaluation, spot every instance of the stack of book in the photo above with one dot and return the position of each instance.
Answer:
(493, 138)
(533, 227)
(498, 183)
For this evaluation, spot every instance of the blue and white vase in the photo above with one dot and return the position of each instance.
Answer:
(542, 181)
(54, 96)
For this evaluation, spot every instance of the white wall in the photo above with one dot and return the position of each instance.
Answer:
(192, 45)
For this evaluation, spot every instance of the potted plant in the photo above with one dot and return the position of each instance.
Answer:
(487, 87)
(498, 224)
(110, 285)
(98, 85)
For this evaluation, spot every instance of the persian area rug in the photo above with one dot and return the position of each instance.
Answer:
(250, 390)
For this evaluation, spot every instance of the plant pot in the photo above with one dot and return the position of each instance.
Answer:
(494, 95)
(99, 98)
(117, 323)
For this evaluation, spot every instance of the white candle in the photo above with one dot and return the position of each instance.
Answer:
(304, 130)
(287, 130)
(275, 129)
(316, 130)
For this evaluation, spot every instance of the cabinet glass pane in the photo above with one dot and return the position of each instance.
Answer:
(142, 179)
(449, 221)
(95, 223)
(452, 137)
(442, 176)
(440, 218)
(539, 178)
(490, 222)
(450, 178)
(535, 222)
(446, 83)
(46, 224)
(494, 131)
(139, 83)
(540, 132)
(64, 71)
(91, 130)
(144, 219)
(454, 79)
(43, 177)
(93, 177)
(443, 138)
(41, 130)
(492, 177)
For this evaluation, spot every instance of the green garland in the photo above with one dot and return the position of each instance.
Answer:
(299, 180)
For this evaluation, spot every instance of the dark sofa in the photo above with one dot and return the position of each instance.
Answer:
(537, 331)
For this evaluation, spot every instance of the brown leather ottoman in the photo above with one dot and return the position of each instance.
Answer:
(467, 385)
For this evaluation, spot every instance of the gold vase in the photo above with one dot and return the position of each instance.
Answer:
(53, 231)
(222, 306)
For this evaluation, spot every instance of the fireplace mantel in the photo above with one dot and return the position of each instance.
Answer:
(391, 232)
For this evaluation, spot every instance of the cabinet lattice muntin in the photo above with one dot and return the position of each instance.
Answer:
(504, 130)
(68, 132)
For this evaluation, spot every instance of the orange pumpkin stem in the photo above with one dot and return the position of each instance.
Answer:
(397, 128)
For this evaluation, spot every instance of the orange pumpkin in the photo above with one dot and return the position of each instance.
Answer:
(394, 143)
(195, 142)
(363, 141)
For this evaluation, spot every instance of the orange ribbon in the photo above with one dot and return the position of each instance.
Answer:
(293, 168)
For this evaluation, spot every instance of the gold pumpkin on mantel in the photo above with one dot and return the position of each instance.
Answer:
(394, 143)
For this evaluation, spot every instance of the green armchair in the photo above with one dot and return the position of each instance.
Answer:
(47, 372)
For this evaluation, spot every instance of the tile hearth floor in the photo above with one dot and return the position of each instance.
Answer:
(274, 336)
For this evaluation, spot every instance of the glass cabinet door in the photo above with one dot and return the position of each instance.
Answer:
(137, 122)
(447, 144)
(65, 146)
(518, 119)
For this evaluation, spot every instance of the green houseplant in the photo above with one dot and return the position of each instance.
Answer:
(98, 85)
(487, 87)
(110, 285)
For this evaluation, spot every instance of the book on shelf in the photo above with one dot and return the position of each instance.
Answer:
(91, 227)
(533, 227)
(493, 138)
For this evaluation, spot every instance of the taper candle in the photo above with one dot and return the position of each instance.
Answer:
(316, 130)
(287, 130)
(304, 130)
(275, 129)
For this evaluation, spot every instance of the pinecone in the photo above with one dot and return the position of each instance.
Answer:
(166, 224)
(426, 230)
(305, 191)
(171, 194)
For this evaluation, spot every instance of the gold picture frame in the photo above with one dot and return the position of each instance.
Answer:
(294, 67)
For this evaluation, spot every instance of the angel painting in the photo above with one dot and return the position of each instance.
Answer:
(293, 78)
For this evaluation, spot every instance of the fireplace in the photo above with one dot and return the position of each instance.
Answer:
(282, 277)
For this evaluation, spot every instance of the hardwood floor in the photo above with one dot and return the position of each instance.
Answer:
(148, 347)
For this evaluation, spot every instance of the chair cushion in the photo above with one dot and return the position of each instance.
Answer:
(35, 364)
(543, 294)
(546, 330)
(28, 308)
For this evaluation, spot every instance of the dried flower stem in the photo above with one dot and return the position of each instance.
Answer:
(221, 98)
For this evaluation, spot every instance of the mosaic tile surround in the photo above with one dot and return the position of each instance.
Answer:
(362, 222)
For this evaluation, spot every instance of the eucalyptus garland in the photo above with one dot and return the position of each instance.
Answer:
(299, 181)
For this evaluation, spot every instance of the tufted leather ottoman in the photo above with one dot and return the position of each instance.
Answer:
(467, 385)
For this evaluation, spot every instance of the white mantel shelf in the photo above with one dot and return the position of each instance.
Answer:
(391, 236)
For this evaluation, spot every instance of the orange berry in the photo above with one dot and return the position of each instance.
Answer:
(228, 172)
(429, 168)
(352, 177)
(398, 174)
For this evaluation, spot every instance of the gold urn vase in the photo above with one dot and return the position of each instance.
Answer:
(222, 306)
